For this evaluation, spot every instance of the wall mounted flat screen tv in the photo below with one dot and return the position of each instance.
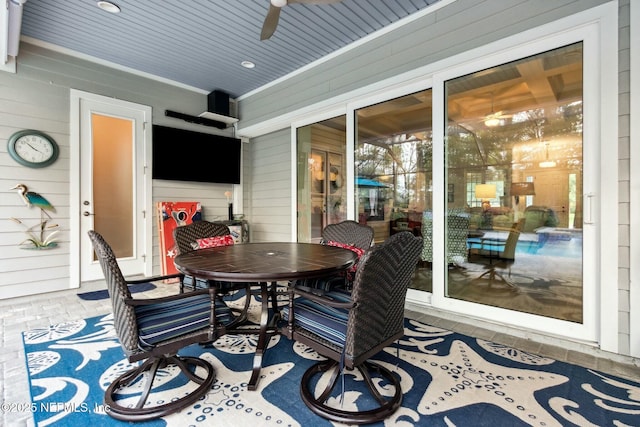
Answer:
(184, 155)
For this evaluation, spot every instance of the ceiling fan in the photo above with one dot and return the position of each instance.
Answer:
(495, 118)
(273, 15)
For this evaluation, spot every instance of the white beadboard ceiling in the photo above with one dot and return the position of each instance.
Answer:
(201, 43)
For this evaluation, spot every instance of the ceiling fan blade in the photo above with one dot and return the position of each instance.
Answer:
(273, 15)
(501, 115)
(270, 22)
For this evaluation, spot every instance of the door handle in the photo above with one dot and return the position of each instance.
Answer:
(589, 219)
(85, 213)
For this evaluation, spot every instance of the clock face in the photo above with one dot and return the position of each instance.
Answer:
(33, 148)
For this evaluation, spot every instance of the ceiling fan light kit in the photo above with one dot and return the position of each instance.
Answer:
(547, 163)
(491, 122)
(495, 118)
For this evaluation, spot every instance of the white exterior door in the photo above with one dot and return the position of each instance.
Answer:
(114, 193)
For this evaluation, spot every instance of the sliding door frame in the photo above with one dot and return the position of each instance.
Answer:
(592, 176)
(593, 27)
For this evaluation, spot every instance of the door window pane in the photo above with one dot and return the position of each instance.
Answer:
(514, 144)
(393, 158)
(320, 185)
(113, 182)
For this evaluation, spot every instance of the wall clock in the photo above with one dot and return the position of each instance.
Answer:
(33, 148)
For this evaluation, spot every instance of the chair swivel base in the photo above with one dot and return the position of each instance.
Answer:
(147, 372)
(386, 405)
(492, 276)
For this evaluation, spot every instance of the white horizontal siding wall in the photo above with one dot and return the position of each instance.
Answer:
(453, 29)
(37, 97)
(624, 176)
(27, 104)
(269, 188)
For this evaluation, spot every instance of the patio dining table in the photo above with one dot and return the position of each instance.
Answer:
(265, 264)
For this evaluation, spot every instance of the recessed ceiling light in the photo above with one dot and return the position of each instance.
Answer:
(107, 6)
(248, 64)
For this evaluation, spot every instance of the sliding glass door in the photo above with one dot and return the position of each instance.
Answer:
(493, 164)
(514, 150)
(511, 195)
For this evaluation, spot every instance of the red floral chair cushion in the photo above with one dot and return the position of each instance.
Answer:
(212, 242)
(357, 250)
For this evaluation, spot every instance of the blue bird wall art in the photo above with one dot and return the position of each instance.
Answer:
(34, 199)
(38, 239)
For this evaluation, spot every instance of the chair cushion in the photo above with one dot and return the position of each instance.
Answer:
(327, 322)
(208, 242)
(212, 242)
(327, 283)
(170, 319)
(357, 250)
(195, 283)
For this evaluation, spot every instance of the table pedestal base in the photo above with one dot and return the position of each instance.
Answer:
(265, 330)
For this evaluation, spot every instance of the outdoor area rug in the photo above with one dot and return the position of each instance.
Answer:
(104, 294)
(448, 379)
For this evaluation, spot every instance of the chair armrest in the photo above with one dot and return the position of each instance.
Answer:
(494, 241)
(318, 295)
(155, 278)
(148, 301)
(498, 228)
(492, 245)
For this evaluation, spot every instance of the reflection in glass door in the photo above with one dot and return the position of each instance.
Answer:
(514, 147)
(327, 191)
(393, 169)
(320, 185)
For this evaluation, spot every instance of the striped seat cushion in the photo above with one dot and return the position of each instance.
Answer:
(195, 283)
(326, 283)
(171, 319)
(327, 322)
(223, 287)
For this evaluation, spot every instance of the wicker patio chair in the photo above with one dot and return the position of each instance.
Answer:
(496, 253)
(187, 238)
(349, 235)
(153, 330)
(350, 328)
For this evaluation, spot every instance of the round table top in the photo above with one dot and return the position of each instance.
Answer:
(265, 262)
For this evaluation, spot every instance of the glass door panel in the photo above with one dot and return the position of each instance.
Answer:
(393, 168)
(321, 192)
(515, 149)
(113, 197)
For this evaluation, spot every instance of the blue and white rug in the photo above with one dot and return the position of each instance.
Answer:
(448, 379)
(104, 294)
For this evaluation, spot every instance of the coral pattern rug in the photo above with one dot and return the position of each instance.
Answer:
(448, 379)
